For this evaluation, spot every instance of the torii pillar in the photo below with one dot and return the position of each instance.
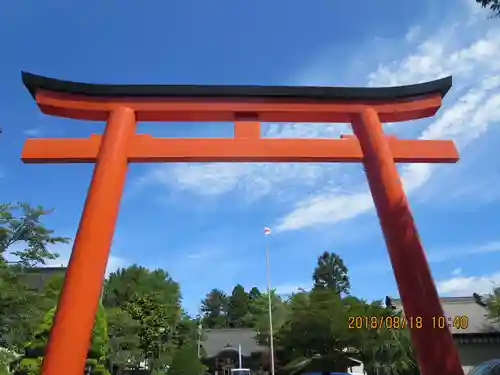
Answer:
(123, 105)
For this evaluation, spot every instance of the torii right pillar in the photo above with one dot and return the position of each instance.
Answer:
(435, 349)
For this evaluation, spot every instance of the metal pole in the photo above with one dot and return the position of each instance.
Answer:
(239, 356)
(271, 341)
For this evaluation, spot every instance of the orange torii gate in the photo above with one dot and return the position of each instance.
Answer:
(123, 105)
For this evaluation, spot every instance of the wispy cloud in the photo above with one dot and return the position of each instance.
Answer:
(254, 181)
(472, 112)
(466, 285)
(33, 132)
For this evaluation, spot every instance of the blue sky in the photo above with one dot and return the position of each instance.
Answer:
(203, 223)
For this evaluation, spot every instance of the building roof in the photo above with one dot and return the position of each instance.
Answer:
(36, 277)
(35, 83)
(217, 340)
(465, 306)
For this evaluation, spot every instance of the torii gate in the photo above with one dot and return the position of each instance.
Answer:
(123, 105)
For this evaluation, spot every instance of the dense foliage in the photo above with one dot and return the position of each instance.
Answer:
(186, 362)
(140, 321)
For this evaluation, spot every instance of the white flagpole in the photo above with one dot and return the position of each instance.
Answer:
(271, 340)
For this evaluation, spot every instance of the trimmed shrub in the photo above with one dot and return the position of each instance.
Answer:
(186, 362)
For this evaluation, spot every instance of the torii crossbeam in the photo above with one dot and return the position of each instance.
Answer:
(123, 105)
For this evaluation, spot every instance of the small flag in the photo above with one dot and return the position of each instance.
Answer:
(267, 231)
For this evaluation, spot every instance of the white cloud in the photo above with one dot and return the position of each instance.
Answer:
(466, 285)
(326, 208)
(476, 65)
(255, 180)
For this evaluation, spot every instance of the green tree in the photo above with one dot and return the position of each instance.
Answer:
(331, 273)
(254, 293)
(384, 348)
(237, 307)
(250, 318)
(187, 331)
(49, 295)
(127, 284)
(317, 328)
(494, 5)
(28, 307)
(144, 308)
(157, 322)
(186, 362)
(34, 350)
(24, 236)
(6, 359)
(298, 300)
(261, 312)
(214, 308)
(389, 351)
(26, 228)
(124, 345)
(19, 312)
(491, 302)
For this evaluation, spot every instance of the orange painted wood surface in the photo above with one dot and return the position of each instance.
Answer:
(144, 148)
(269, 110)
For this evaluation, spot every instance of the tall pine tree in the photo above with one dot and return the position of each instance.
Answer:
(238, 307)
(331, 273)
(214, 308)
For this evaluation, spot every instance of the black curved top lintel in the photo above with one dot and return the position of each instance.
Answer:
(35, 83)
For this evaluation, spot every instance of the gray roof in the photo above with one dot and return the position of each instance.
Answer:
(465, 306)
(217, 340)
(36, 277)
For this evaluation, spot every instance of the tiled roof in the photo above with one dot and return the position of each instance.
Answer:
(465, 306)
(217, 340)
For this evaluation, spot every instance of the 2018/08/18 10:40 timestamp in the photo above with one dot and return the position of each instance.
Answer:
(396, 322)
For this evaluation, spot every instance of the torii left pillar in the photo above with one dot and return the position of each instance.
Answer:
(91, 249)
